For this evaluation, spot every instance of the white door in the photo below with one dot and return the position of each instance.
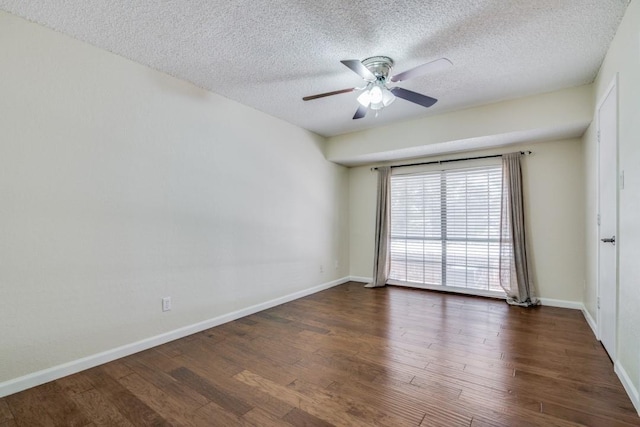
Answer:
(607, 116)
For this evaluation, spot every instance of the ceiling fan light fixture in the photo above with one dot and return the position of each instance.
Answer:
(365, 98)
(376, 97)
(376, 94)
(387, 97)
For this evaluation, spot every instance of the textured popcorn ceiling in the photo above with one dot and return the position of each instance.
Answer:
(269, 54)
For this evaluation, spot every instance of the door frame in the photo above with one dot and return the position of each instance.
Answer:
(611, 88)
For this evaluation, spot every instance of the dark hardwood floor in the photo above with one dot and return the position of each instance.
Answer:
(353, 356)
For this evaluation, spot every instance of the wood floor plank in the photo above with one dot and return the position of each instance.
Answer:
(74, 384)
(214, 415)
(323, 404)
(117, 369)
(101, 411)
(584, 417)
(297, 417)
(250, 395)
(127, 403)
(352, 404)
(596, 397)
(28, 410)
(479, 421)
(404, 400)
(510, 410)
(166, 382)
(60, 406)
(172, 407)
(353, 356)
(273, 350)
(238, 353)
(272, 316)
(5, 412)
(211, 392)
(261, 418)
(318, 409)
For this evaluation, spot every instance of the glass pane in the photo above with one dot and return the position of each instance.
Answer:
(415, 260)
(433, 262)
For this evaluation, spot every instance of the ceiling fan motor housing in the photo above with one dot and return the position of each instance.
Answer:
(380, 66)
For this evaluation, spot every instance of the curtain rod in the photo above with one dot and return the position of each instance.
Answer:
(437, 162)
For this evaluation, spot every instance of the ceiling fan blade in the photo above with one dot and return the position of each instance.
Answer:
(415, 97)
(360, 112)
(357, 67)
(429, 67)
(322, 95)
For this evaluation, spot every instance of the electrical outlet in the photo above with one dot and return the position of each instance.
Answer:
(336, 264)
(166, 304)
(321, 268)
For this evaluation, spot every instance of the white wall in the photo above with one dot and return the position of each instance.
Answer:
(554, 204)
(120, 185)
(623, 58)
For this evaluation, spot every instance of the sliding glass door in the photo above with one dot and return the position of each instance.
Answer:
(445, 229)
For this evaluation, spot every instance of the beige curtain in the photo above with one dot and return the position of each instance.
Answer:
(381, 262)
(515, 276)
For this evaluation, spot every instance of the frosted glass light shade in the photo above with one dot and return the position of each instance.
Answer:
(376, 94)
(387, 97)
(365, 98)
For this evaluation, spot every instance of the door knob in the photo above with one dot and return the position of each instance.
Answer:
(611, 240)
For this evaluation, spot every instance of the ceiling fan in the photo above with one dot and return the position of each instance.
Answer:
(376, 73)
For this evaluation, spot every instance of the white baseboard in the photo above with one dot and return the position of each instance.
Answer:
(561, 303)
(360, 279)
(544, 301)
(592, 323)
(628, 385)
(44, 376)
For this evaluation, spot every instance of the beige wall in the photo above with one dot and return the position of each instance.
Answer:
(120, 185)
(562, 114)
(554, 201)
(622, 58)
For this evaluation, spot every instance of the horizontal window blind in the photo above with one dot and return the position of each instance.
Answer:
(445, 228)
